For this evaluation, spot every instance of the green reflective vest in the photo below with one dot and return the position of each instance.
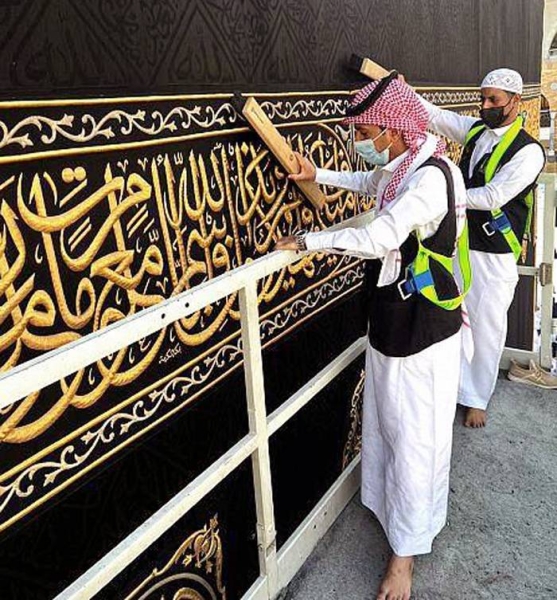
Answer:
(499, 219)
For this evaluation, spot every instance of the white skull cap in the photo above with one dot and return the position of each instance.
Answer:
(504, 79)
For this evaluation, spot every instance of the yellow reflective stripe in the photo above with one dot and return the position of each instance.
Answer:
(529, 200)
(509, 235)
(430, 294)
(446, 261)
(501, 148)
(473, 132)
(464, 259)
(491, 168)
(421, 265)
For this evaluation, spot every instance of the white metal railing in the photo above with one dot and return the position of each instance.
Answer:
(542, 273)
(49, 368)
(276, 569)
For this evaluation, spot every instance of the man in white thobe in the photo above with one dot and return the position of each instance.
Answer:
(414, 349)
(495, 273)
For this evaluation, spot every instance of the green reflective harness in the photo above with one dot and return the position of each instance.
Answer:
(419, 278)
(499, 220)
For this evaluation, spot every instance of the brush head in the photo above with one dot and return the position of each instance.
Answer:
(356, 62)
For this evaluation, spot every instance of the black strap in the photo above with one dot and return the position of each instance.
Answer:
(362, 106)
(447, 227)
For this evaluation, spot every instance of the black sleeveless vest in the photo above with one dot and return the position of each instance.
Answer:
(398, 327)
(516, 209)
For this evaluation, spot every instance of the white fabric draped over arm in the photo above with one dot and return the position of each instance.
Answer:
(448, 123)
(511, 179)
(364, 182)
(424, 202)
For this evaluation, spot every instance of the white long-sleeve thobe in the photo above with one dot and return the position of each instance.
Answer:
(494, 275)
(420, 206)
(410, 402)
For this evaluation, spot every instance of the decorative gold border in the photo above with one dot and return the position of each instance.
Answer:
(529, 88)
(201, 551)
(158, 98)
(32, 136)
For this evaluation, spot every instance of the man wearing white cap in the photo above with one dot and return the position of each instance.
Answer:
(500, 164)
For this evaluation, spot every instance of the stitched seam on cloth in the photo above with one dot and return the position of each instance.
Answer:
(394, 508)
(434, 469)
(371, 351)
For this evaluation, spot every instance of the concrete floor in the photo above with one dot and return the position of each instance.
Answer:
(501, 539)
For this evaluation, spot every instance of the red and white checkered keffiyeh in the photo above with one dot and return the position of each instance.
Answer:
(398, 108)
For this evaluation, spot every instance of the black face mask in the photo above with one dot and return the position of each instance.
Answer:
(494, 117)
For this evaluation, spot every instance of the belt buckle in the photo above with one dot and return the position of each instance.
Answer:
(488, 228)
(404, 295)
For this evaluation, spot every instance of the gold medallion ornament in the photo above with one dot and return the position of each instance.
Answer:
(194, 572)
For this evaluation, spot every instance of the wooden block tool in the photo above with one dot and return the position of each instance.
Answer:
(276, 143)
(367, 67)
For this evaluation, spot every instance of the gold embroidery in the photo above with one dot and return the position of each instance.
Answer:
(201, 558)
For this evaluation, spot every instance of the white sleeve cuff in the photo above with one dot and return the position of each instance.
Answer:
(318, 240)
(326, 177)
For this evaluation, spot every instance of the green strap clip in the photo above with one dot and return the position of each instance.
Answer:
(419, 278)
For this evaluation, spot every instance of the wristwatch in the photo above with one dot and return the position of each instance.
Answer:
(300, 238)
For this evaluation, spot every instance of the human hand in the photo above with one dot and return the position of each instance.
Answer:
(307, 170)
(286, 243)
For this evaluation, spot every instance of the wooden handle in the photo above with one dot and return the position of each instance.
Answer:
(263, 126)
(372, 69)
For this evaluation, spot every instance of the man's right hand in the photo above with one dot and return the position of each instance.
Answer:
(307, 170)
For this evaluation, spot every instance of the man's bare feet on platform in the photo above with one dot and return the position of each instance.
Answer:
(397, 583)
(475, 417)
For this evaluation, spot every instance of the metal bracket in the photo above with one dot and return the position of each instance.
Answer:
(545, 273)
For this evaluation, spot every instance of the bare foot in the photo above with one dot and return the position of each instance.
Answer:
(397, 583)
(475, 417)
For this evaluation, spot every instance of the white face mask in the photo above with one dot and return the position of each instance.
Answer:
(367, 150)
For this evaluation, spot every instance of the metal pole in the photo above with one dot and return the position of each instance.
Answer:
(546, 269)
(552, 134)
(257, 413)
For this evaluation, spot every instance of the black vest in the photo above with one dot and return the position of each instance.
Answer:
(398, 327)
(516, 209)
